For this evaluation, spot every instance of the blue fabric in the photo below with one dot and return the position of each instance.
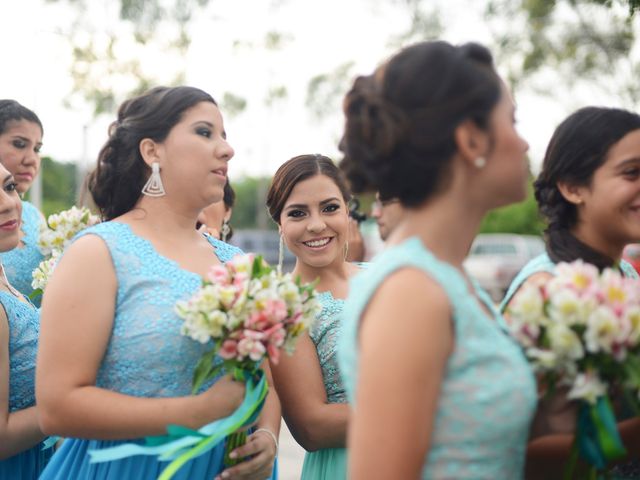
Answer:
(20, 262)
(24, 326)
(146, 356)
(329, 463)
(488, 393)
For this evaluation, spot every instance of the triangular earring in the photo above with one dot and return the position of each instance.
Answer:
(154, 187)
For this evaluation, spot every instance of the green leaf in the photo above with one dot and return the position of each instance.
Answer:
(203, 370)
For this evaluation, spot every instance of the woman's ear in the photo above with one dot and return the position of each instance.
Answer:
(571, 193)
(227, 213)
(149, 150)
(472, 142)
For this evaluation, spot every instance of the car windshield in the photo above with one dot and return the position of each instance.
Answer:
(494, 249)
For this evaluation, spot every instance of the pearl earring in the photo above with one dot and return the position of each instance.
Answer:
(480, 162)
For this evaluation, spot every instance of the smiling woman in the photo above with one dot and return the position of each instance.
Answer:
(308, 200)
(20, 142)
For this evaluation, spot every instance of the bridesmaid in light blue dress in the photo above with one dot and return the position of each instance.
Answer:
(113, 366)
(438, 387)
(20, 142)
(308, 200)
(588, 192)
(21, 450)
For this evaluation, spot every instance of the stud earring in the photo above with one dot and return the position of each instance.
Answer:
(480, 162)
(154, 187)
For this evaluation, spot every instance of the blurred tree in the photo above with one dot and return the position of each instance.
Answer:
(250, 196)
(520, 218)
(58, 185)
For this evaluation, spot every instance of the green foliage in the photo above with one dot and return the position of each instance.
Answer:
(519, 218)
(251, 196)
(58, 186)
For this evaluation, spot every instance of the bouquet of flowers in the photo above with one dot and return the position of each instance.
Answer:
(581, 330)
(55, 236)
(249, 312)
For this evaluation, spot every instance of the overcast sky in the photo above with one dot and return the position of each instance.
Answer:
(322, 35)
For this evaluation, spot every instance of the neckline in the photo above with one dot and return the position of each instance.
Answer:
(169, 261)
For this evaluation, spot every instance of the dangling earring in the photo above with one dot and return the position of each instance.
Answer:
(480, 162)
(346, 250)
(280, 254)
(225, 230)
(154, 187)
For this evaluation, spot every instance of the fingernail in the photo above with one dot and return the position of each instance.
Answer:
(224, 475)
(233, 455)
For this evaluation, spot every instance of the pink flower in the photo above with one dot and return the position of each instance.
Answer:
(276, 335)
(251, 345)
(257, 321)
(274, 353)
(276, 310)
(219, 275)
(229, 349)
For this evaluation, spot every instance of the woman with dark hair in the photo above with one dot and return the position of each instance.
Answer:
(438, 387)
(112, 364)
(589, 193)
(308, 199)
(21, 453)
(20, 142)
(215, 218)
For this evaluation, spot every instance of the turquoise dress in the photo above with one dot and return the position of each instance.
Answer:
(24, 326)
(542, 263)
(328, 463)
(20, 262)
(146, 355)
(488, 392)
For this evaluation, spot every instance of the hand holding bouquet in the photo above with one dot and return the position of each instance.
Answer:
(55, 236)
(581, 330)
(249, 312)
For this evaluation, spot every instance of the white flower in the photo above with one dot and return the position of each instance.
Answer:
(542, 359)
(566, 307)
(42, 273)
(565, 342)
(62, 227)
(603, 330)
(528, 306)
(587, 386)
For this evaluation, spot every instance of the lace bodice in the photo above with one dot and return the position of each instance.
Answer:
(324, 333)
(488, 393)
(20, 262)
(24, 326)
(146, 355)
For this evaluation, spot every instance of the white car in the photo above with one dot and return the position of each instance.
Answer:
(495, 258)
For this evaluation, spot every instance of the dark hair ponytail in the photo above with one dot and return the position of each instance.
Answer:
(578, 147)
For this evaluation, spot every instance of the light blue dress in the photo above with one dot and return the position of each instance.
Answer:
(328, 463)
(20, 262)
(488, 393)
(542, 263)
(146, 355)
(24, 326)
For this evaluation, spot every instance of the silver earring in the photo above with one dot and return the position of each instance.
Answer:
(480, 162)
(225, 230)
(280, 254)
(154, 187)
(346, 251)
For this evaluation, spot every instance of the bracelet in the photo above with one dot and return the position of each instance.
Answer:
(271, 434)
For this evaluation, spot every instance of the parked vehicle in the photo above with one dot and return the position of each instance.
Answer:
(265, 243)
(631, 254)
(495, 259)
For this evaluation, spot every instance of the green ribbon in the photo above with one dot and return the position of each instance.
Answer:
(597, 434)
(181, 444)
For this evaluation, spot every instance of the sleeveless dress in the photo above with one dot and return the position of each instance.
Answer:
(146, 355)
(24, 326)
(488, 392)
(328, 463)
(20, 262)
(542, 263)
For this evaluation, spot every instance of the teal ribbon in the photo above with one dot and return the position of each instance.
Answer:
(183, 443)
(597, 434)
(49, 442)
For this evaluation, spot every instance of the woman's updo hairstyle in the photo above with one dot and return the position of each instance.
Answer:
(12, 111)
(400, 121)
(578, 147)
(296, 170)
(117, 181)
